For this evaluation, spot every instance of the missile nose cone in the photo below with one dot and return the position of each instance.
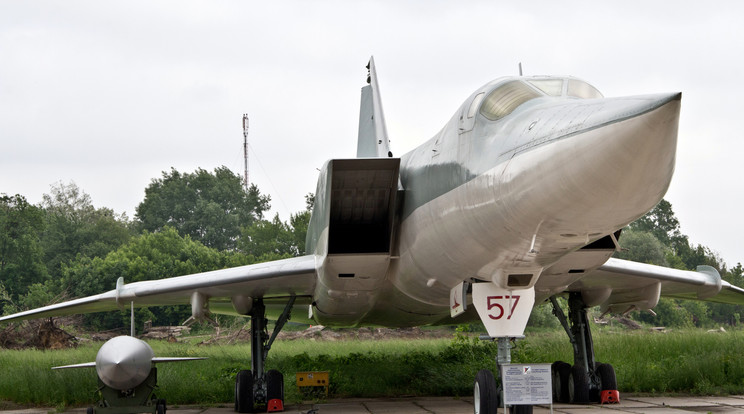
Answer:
(124, 362)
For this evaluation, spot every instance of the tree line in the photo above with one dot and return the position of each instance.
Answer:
(65, 247)
(656, 239)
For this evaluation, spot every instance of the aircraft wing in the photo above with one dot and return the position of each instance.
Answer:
(276, 279)
(619, 284)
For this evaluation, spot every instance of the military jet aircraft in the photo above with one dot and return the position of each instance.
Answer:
(521, 197)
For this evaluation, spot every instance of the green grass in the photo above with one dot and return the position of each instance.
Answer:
(693, 362)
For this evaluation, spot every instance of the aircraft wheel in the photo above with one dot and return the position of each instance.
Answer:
(485, 395)
(578, 385)
(607, 378)
(90, 410)
(160, 408)
(244, 392)
(274, 385)
(560, 371)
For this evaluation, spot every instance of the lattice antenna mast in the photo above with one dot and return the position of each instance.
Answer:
(245, 150)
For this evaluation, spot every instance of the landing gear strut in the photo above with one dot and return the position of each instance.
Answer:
(257, 389)
(487, 395)
(587, 380)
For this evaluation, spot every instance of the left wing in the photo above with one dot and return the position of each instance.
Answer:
(622, 285)
(225, 291)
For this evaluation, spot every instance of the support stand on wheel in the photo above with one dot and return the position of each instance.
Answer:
(586, 380)
(257, 389)
(504, 311)
(488, 394)
(139, 399)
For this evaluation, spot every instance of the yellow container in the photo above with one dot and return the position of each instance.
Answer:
(313, 379)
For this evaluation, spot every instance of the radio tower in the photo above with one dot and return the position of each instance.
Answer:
(245, 150)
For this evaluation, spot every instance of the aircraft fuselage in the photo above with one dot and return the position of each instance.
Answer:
(518, 179)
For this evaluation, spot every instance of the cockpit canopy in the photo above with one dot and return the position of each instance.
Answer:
(509, 95)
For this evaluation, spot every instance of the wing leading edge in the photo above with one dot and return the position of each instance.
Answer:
(225, 290)
(622, 285)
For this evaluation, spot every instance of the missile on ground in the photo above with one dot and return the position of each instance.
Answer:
(123, 365)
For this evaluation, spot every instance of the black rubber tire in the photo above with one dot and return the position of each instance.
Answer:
(160, 408)
(607, 378)
(485, 394)
(244, 392)
(521, 409)
(90, 410)
(274, 385)
(578, 385)
(560, 371)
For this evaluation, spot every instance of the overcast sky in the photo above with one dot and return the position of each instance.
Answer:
(110, 94)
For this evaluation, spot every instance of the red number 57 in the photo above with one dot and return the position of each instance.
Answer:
(493, 302)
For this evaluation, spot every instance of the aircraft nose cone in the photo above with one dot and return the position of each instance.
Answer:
(124, 362)
(599, 165)
(626, 163)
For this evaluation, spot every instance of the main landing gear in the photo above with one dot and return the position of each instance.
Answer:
(257, 390)
(587, 380)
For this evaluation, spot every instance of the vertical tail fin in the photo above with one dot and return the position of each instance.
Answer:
(373, 138)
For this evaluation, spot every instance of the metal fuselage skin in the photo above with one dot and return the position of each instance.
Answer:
(486, 198)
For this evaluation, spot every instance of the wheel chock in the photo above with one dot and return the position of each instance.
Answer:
(609, 397)
(275, 405)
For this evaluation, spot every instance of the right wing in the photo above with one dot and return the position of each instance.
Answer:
(227, 290)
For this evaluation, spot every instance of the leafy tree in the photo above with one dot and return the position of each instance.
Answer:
(74, 226)
(699, 312)
(735, 275)
(146, 257)
(542, 316)
(268, 237)
(662, 223)
(278, 238)
(642, 246)
(38, 295)
(658, 233)
(21, 255)
(695, 255)
(211, 208)
(6, 301)
(299, 223)
(669, 313)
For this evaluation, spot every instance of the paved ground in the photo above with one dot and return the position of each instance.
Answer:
(448, 405)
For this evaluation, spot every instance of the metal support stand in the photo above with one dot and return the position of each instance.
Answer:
(504, 351)
(504, 344)
(139, 399)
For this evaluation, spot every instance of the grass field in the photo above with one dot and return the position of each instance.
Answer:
(691, 361)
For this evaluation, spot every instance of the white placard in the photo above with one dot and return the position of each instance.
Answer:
(503, 312)
(527, 384)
